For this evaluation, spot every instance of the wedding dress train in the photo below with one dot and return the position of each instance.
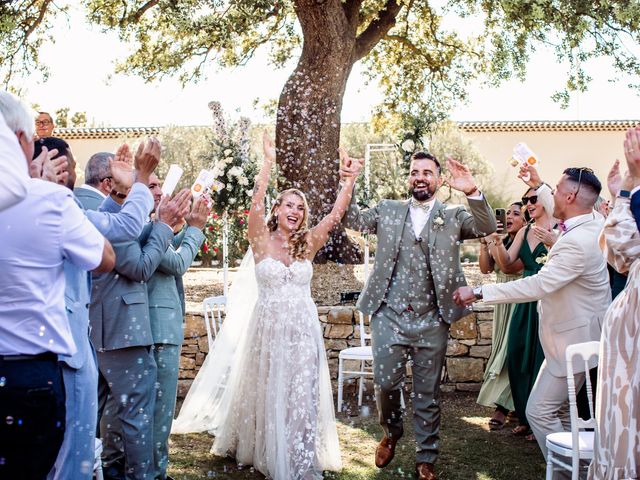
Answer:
(264, 391)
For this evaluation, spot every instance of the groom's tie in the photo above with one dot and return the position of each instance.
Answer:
(424, 206)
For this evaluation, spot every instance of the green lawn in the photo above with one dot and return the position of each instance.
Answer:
(468, 450)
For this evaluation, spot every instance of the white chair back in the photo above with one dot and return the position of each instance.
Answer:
(364, 336)
(585, 351)
(213, 310)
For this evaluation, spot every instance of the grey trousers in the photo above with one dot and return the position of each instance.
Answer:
(76, 456)
(168, 361)
(391, 351)
(129, 376)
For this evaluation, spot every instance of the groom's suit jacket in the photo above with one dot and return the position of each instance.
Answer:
(448, 225)
(572, 289)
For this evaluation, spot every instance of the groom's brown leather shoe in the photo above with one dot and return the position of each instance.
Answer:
(385, 451)
(425, 471)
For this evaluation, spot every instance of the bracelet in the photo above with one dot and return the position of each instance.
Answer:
(118, 194)
(475, 189)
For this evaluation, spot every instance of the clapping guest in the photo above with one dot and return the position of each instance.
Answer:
(166, 316)
(616, 453)
(80, 372)
(97, 181)
(495, 390)
(34, 327)
(121, 332)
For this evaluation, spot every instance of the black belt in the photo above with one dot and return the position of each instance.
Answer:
(29, 358)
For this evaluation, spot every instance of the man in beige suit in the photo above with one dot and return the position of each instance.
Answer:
(573, 293)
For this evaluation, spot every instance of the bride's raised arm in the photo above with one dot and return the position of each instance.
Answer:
(257, 227)
(319, 234)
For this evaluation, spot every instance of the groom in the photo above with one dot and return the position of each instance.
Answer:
(416, 269)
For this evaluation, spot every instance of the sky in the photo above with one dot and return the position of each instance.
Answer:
(82, 59)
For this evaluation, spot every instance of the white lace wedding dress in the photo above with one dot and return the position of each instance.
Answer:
(274, 409)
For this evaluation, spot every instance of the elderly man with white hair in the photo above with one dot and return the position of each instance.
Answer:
(40, 233)
(13, 181)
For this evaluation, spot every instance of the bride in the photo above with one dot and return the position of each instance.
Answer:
(264, 390)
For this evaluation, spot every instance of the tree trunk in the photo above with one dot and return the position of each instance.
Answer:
(308, 122)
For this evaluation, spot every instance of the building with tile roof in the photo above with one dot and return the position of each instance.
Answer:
(559, 144)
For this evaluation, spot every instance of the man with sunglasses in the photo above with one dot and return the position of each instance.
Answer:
(573, 293)
(98, 181)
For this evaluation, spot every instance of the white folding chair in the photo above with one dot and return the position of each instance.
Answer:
(213, 309)
(97, 459)
(578, 443)
(363, 354)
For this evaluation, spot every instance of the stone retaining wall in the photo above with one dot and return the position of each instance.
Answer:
(467, 353)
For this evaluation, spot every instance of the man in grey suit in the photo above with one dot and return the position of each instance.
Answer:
(121, 333)
(98, 181)
(416, 269)
(166, 315)
(80, 371)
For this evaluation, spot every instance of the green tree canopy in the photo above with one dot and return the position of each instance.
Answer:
(416, 50)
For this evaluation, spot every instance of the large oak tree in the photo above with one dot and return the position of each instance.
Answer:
(412, 48)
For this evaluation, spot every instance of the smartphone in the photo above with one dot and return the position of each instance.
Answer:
(501, 216)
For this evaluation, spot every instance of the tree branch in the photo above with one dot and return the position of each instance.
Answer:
(36, 23)
(136, 16)
(377, 29)
(351, 10)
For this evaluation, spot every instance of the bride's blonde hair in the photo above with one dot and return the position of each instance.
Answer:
(298, 241)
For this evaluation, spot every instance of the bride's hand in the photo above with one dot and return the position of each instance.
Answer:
(268, 147)
(349, 167)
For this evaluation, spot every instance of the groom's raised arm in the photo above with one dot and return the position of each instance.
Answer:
(361, 220)
(480, 222)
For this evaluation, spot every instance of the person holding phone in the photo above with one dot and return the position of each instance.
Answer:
(529, 248)
(495, 390)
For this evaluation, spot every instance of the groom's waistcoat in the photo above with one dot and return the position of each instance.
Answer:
(412, 283)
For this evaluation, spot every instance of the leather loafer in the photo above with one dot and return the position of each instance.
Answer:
(425, 471)
(385, 451)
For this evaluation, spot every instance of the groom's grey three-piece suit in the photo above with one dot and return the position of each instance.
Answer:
(410, 298)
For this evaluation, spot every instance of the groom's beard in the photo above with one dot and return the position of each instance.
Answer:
(422, 195)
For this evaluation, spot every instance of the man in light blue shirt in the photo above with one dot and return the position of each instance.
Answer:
(42, 232)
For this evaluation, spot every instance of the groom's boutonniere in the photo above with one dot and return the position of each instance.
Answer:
(542, 259)
(438, 221)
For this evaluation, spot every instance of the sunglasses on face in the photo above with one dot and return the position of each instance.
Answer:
(533, 199)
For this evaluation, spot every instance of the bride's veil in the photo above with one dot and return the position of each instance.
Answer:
(208, 401)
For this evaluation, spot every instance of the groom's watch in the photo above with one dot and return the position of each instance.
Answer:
(477, 292)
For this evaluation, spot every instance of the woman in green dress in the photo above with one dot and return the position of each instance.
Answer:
(524, 352)
(495, 391)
